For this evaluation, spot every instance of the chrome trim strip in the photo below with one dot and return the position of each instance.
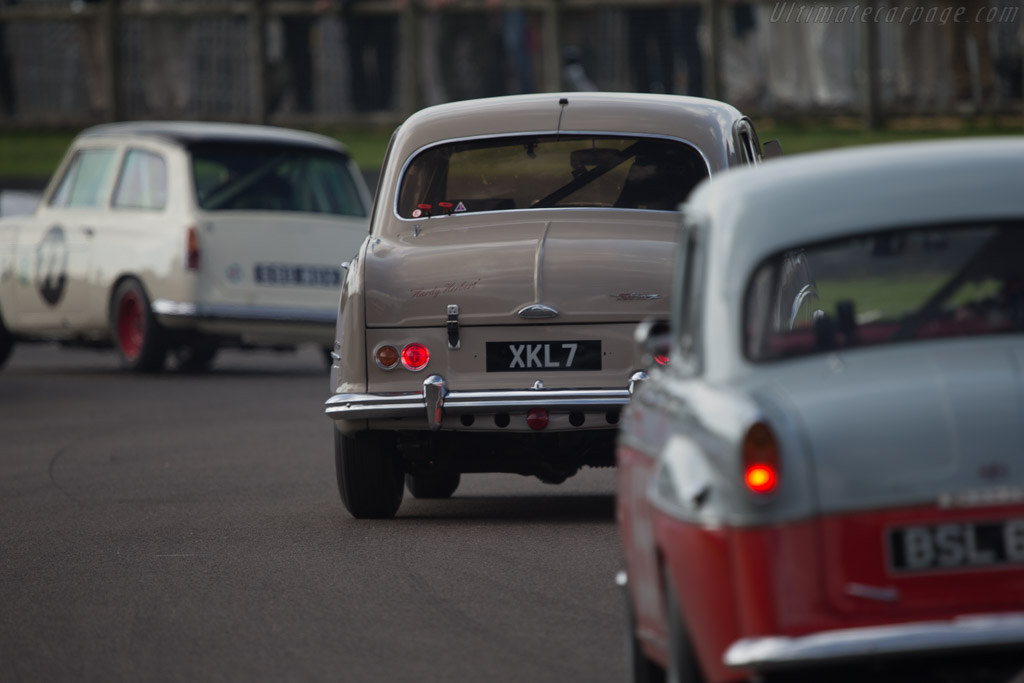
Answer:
(962, 633)
(538, 267)
(493, 136)
(409, 404)
(180, 309)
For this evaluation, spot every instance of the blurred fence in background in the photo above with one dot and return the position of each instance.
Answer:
(322, 62)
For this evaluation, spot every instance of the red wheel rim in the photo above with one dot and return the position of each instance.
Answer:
(130, 325)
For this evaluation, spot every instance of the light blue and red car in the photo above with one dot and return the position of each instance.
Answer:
(830, 472)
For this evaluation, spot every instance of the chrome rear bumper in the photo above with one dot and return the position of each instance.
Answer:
(919, 638)
(435, 401)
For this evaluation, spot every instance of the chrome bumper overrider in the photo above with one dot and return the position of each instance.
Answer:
(927, 637)
(435, 401)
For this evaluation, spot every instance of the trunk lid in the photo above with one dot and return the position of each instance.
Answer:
(275, 259)
(588, 267)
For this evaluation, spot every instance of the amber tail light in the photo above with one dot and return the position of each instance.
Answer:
(192, 249)
(760, 459)
(387, 357)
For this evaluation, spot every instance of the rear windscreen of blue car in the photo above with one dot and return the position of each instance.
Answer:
(887, 287)
(257, 177)
(550, 171)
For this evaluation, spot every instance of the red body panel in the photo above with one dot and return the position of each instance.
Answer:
(854, 549)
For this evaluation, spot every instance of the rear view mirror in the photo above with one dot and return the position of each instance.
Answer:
(583, 160)
(772, 149)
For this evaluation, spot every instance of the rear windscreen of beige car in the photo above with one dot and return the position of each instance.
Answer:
(255, 177)
(550, 171)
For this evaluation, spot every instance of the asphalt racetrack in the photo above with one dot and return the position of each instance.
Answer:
(188, 528)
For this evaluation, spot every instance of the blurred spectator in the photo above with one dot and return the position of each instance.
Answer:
(6, 82)
(689, 43)
(166, 62)
(93, 43)
(372, 48)
(958, 33)
(574, 76)
(651, 56)
(786, 48)
(742, 70)
(297, 39)
(922, 54)
(831, 52)
(516, 38)
(811, 54)
(1010, 50)
(431, 78)
(472, 54)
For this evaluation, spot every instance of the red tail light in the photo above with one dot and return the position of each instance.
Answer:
(192, 249)
(537, 418)
(760, 459)
(661, 359)
(415, 356)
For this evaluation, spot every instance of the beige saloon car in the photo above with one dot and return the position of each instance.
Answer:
(176, 239)
(486, 324)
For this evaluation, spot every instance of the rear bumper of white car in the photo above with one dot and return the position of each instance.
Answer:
(169, 312)
(435, 401)
(952, 636)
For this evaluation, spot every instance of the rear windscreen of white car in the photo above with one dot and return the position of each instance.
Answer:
(550, 171)
(887, 287)
(261, 177)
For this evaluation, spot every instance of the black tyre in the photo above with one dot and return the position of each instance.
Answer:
(641, 669)
(6, 342)
(683, 666)
(196, 357)
(370, 474)
(140, 341)
(436, 485)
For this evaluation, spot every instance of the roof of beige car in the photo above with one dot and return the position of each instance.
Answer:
(706, 123)
(195, 132)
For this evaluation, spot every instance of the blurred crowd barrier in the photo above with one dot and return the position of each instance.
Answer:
(323, 62)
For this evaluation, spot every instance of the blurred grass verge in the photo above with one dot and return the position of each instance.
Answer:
(28, 158)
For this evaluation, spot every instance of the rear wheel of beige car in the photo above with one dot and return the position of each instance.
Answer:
(6, 342)
(140, 341)
(370, 474)
(683, 666)
(196, 357)
(440, 485)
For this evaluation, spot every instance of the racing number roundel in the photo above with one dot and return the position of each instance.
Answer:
(52, 265)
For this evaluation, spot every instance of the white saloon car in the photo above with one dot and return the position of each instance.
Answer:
(515, 243)
(181, 238)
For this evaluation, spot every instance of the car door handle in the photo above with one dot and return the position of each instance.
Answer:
(89, 232)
